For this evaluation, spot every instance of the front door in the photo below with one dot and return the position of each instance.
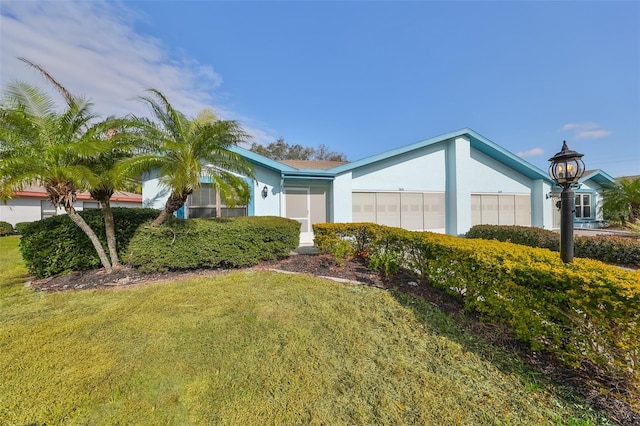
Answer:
(307, 205)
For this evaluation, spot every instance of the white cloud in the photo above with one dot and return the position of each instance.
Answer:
(93, 50)
(593, 134)
(588, 130)
(531, 153)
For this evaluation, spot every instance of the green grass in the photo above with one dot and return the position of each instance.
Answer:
(250, 348)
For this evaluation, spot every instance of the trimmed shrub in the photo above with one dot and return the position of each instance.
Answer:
(212, 243)
(5, 229)
(56, 245)
(586, 312)
(20, 227)
(616, 250)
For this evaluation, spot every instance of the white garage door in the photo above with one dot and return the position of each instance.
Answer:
(415, 211)
(501, 209)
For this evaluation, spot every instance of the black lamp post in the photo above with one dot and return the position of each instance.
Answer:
(566, 169)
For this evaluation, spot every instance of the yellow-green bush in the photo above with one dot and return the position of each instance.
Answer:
(5, 229)
(584, 312)
(610, 249)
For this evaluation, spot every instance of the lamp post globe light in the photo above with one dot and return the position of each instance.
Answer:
(566, 169)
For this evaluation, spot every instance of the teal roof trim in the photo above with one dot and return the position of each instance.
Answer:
(286, 172)
(599, 177)
(477, 142)
(261, 160)
(508, 158)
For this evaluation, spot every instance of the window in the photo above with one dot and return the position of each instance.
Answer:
(47, 209)
(583, 206)
(205, 201)
(86, 205)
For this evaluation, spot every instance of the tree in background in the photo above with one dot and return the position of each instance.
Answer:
(280, 150)
(622, 201)
(182, 150)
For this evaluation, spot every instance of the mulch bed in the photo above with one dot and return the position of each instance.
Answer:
(584, 382)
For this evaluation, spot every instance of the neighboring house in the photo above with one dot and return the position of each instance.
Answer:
(444, 184)
(588, 200)
(31, 204)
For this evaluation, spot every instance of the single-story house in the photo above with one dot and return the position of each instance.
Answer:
(588, 200)
(32, 204)
(443, 184)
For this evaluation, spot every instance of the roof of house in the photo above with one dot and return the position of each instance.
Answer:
(309, 170)
(37, 191)
(477, 142)
(313, 164)
(598, 176)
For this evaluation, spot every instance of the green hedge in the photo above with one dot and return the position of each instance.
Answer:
(5, 229)
(586, 312)
(19, 227)
(56, 245)
(212, 243)
(616, 250)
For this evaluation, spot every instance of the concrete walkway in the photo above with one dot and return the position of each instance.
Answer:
(306, 250)
(604, 233)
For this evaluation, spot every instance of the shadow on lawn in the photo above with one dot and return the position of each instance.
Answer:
(536, 369)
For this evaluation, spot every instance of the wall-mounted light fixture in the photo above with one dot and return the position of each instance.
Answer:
(265, 191)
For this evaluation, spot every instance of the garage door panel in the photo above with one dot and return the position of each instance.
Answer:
(388, 209)
(434, 211)
(410, 210)
(490, 210)
(364, 207)
(476, 210)
(411, 216)
(506, 212)
(501, 209)
(523, 210)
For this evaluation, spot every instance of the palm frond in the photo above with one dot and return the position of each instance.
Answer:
(63, 91)
(29, 99)
(172, 121)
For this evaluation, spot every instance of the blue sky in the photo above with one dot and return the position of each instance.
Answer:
(359, 77)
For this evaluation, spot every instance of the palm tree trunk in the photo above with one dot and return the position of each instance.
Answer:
(162, 217)
(110, 231)
(78, 220)
(171, 206)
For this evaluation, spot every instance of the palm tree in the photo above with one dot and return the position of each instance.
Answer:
(183, 150)
(623, 200)
(38, 144)
(109, 178)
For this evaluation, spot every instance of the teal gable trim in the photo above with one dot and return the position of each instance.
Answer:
(599, 177)
(477, 141)
(254, 158)
(507, 158)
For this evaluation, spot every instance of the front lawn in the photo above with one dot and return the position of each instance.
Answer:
(252, 347)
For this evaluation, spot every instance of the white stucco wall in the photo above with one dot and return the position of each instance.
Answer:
(154, 195)
(421, 170)
(489, 175)
(29, 209)
(20, 210)
(269, 206)
(341, 198)
(541, 206)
